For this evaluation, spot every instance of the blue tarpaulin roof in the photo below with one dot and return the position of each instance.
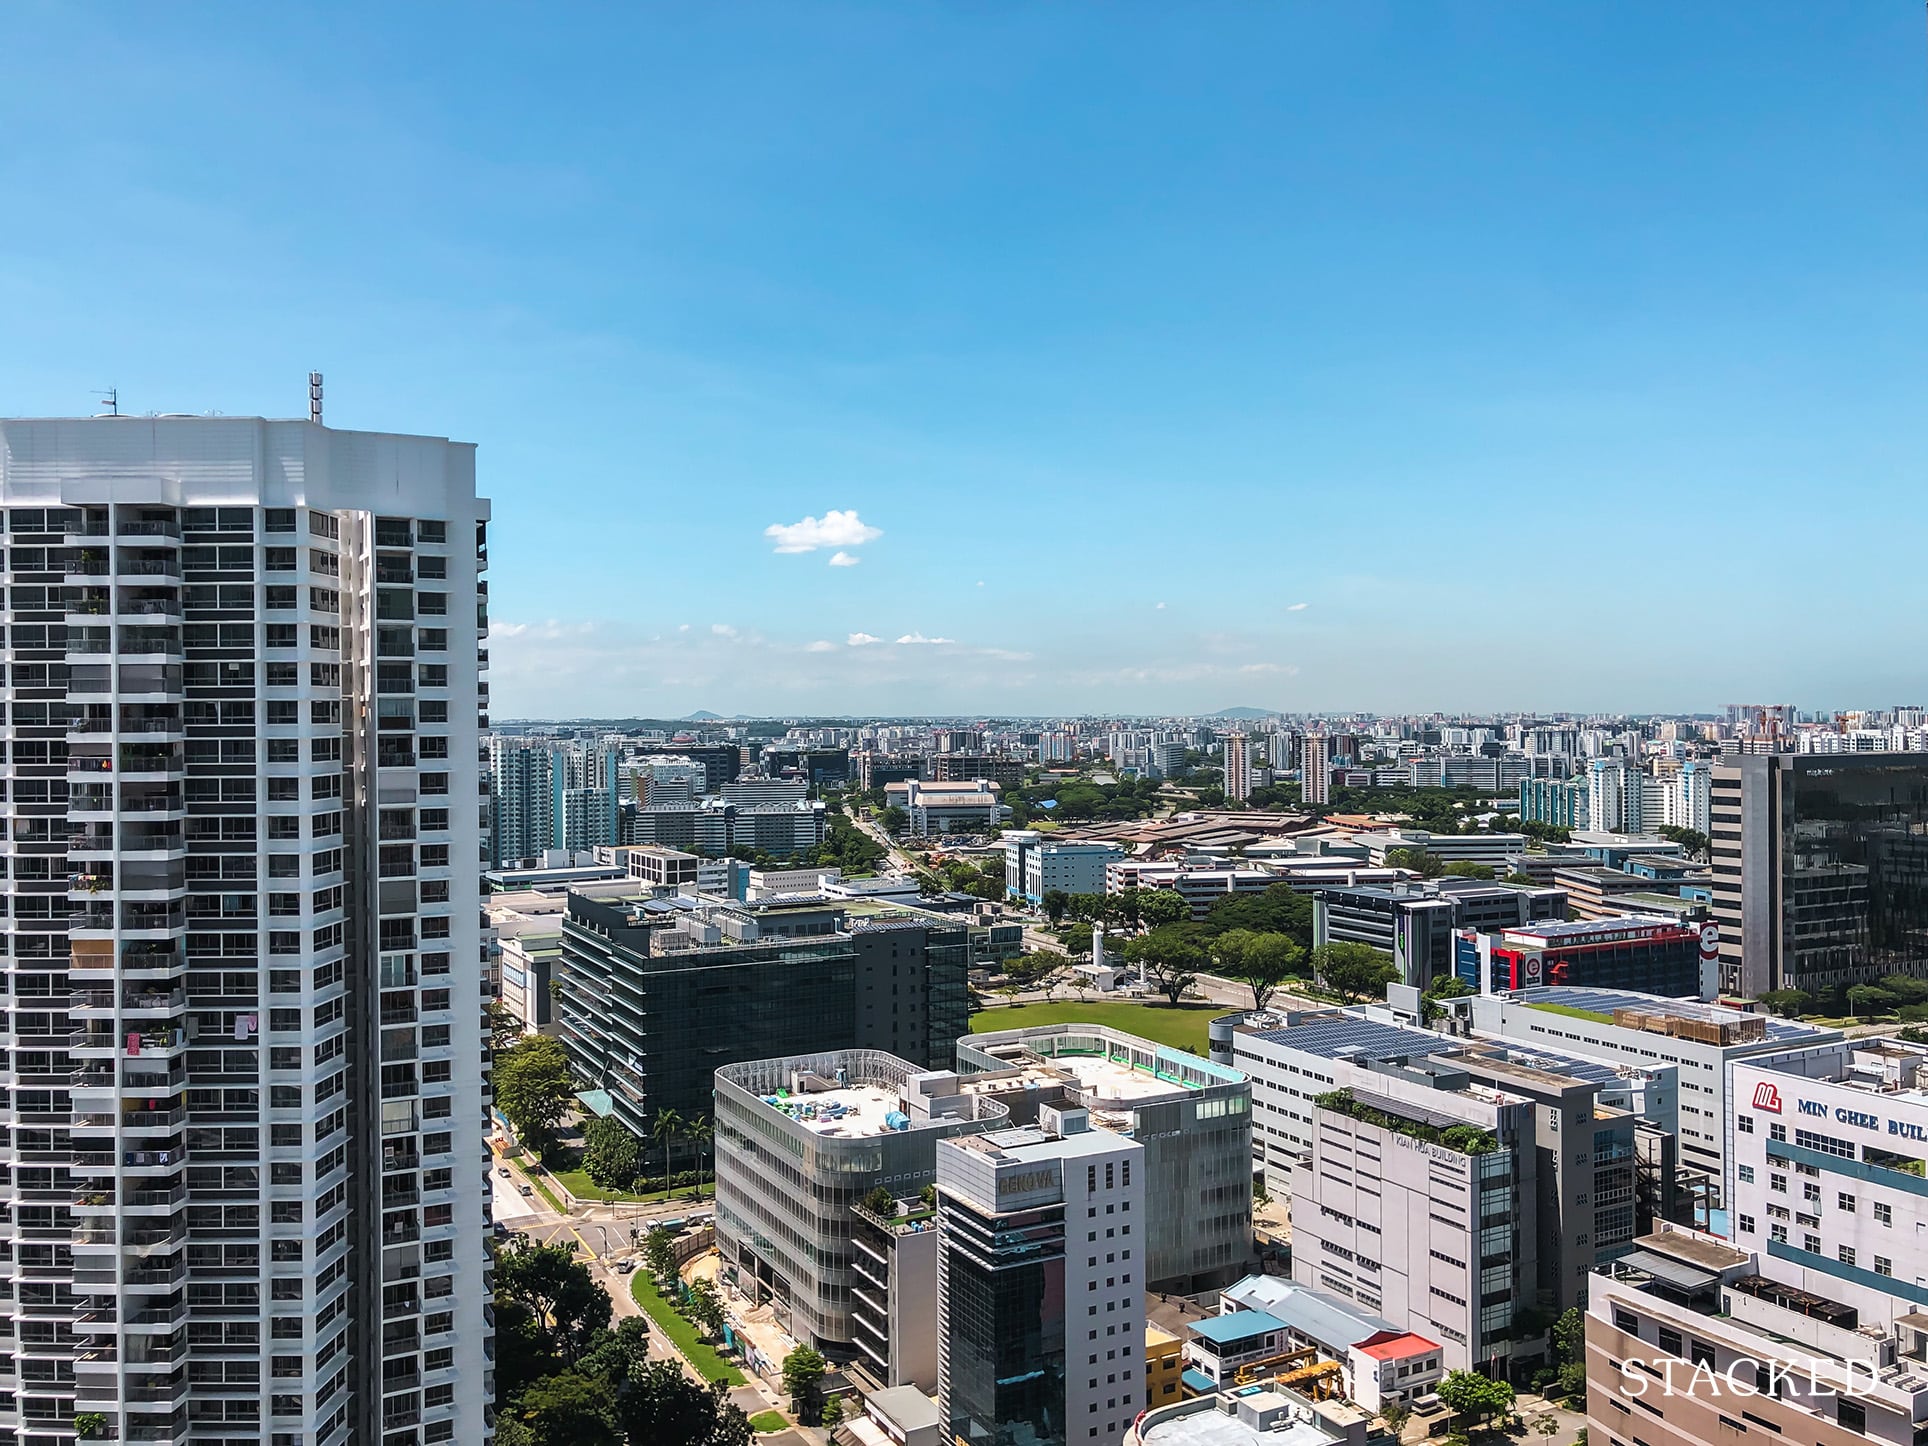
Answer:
(1198, 1382)
(1239, 1325)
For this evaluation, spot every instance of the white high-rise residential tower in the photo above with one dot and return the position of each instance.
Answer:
(241, 1160)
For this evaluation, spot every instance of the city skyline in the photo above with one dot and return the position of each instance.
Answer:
(1306, 359)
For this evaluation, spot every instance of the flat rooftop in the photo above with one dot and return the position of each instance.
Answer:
(1209, 1427)
(849, 1112)
(1331, 1036)
(1605, 1001)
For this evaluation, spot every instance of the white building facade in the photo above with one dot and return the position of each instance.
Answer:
(242, 948)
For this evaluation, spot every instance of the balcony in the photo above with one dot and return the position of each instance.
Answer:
(149, 529)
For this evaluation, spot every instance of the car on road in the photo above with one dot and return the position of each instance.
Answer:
(503, 1171)
(623, 1267)
(525, 1190)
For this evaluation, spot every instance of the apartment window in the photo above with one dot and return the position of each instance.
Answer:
(1746, 1173)
(1777, 1132)
(1851, 1414)
(1777, 1182)
(1883, 1214)
(1811, 1244)
(1669, 1341)
(1845, 1201)
(1845, 1254)
(1777, 1233)
(1746, 1223)
(1745, 1124)
(1883, 1265)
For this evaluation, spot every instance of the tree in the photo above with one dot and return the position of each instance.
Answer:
(894, 821)
(1693, 841)
(1076, 937)
(1171, 961)
(657, 1402)
(569, 1409)
(612, 1156)
(1468, 1393)
(880, 1201)
(705, 1307)
(701, 1133)
(1163, 906)
(1788, 1003)
(1035, 970)
(1261, 962)
(1525, 880)
(1279, 909)
(1467, 869)
(666, 1126)
(832, 1414)
(803, 1372)
(502, 1024)
(1865, 1000)
(1056, 901)
(534, 1088)
(1424, 862)
(1353, 971)
(1568, 1337)
(565, 1304)
(1395, 1414)
(659, 1253)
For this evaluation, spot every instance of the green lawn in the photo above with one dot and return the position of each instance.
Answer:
(578, 1183)
(1574, 1012)
(764, 1422)
(663, 1317)
(1182, 1028)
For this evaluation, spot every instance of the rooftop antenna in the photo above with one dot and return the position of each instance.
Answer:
(110, 399)
(314, 398)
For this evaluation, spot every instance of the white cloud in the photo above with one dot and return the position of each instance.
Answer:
(723, 630)
(1260, 668)
(682, 627)
(920, 638)
(862, 640)
(1294, 608)
(820, 646)
(833, 529)
(980, 582)
(1161, 607)
(843, 559)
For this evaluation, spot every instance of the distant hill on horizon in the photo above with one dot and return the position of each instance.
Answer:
(703, 715)
(1245, 714)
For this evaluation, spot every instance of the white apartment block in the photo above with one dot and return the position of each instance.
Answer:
(243, 1067)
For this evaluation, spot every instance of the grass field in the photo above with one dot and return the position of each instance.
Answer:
(663, 1317)
(1182, 1028)
(578, 1183)
(764, 1422)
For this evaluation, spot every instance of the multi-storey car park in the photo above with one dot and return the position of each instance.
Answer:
(243, 1085)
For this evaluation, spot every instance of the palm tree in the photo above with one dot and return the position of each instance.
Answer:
(702, 1134)
(667, 1126)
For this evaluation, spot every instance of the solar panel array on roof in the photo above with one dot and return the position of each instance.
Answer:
(1330, 1036)
(1574, 1066)
(1605, 1001)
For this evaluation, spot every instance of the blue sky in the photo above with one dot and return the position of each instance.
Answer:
(1550, 356)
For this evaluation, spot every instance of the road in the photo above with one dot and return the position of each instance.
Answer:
(899, 860)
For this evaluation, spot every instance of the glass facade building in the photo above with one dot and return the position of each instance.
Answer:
(1820, 869)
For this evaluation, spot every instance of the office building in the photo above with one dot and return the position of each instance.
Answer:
(1349, 1113)
(1633, 1031)
(1828, 1149)
(973, 767)
(657, 993)
(948, 808)
(1820, 863)
(1193, 1117)
(241, 934)
(1041, 1282)
(874, 770)
(1419, 924)
(1650, 956)
(800, 1141)
(1238, 767)
(1493, 849)
(722, 762)
(1198, 887)
(1035, 865)
(1691, 1338)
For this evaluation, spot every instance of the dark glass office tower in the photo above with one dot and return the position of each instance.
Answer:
(1820, 869)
